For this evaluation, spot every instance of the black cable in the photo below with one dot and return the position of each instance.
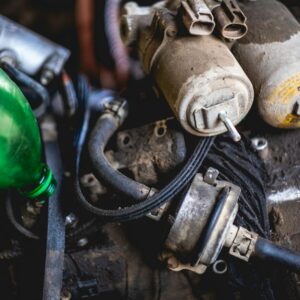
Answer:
(105, 127)
(139, 210)
(21, 78)
(21, 229)
(270, 252)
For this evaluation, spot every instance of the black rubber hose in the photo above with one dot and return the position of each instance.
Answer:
(21, 78)
(141, 209)
(168, 193)
(270, 252)
(21, 229)
(105, 127)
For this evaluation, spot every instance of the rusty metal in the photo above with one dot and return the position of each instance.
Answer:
(117, 262)
(149, 151)
(93, 187)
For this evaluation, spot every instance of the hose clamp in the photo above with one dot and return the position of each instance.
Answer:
(118, 108)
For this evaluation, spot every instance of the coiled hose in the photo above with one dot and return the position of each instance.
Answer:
(142, 208)
(21, 78)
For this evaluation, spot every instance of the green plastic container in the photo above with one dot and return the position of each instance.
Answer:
(21, 164)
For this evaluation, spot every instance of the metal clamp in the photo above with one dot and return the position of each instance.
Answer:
(119, 108)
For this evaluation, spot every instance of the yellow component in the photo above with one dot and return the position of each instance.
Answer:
(291, 120)
(283, 95)
(286, 90)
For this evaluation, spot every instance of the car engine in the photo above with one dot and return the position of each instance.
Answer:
(149, 149)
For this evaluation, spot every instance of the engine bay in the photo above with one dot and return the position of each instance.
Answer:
(149, 149)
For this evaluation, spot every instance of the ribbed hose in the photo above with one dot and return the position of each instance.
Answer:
(270, 252)
(106, 126)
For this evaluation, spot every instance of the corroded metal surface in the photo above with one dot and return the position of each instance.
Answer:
(149, 151)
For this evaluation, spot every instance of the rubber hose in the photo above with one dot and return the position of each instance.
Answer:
(141, 209)
(21, 229)
(116, 46)
(168, 193)
(21, 78)
(270, 252)
(105, 127)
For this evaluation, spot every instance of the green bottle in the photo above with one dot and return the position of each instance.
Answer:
(21, 164)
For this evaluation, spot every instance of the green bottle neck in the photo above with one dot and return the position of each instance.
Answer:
(42, 189)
